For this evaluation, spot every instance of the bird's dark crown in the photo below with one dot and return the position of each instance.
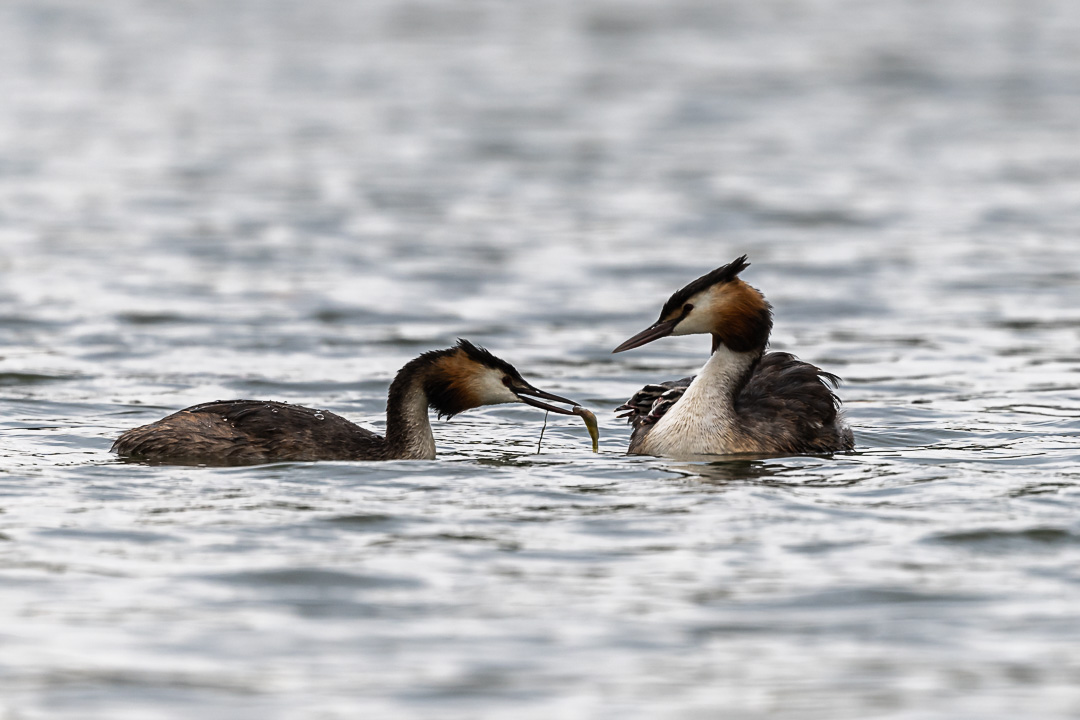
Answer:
(723, 274)
(485, 357)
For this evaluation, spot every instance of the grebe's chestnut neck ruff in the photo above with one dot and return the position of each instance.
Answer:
(239, 432)
(744, 400)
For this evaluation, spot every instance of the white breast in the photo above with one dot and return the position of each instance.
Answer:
(703, 421)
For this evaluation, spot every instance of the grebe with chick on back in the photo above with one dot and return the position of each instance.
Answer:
(243, 432)
(744, 400)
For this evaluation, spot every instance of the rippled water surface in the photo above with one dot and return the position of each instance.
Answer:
(288, 200)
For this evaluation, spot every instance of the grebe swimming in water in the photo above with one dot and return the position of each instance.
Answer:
(744, 400)
(242, 432)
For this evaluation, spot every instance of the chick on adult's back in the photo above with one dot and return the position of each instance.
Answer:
(241, 432)
(744, 400)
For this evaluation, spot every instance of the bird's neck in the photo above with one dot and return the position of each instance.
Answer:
(704, 420)
(408, 428)
(723, 376)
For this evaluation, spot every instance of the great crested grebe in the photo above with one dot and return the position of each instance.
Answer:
(242, 432)
(743, 400)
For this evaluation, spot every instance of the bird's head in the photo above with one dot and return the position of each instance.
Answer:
(468, 376)
(718, 303)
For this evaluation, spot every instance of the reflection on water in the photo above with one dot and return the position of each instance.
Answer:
(722, 472)
(289, 200)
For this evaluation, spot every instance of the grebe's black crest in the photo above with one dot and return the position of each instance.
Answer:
(484, 357)
(723, 274)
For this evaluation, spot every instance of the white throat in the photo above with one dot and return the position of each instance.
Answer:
(703, 421)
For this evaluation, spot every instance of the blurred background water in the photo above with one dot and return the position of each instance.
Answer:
(288, 199)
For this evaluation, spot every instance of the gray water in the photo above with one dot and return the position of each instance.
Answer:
(289, 199)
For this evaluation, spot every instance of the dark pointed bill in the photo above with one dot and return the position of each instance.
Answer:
(654, 332)
(524, 394)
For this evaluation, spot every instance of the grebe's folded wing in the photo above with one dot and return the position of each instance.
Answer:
(244, 431)
(782, 381)
(651, 402)
(793, 403)
(289, 430)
